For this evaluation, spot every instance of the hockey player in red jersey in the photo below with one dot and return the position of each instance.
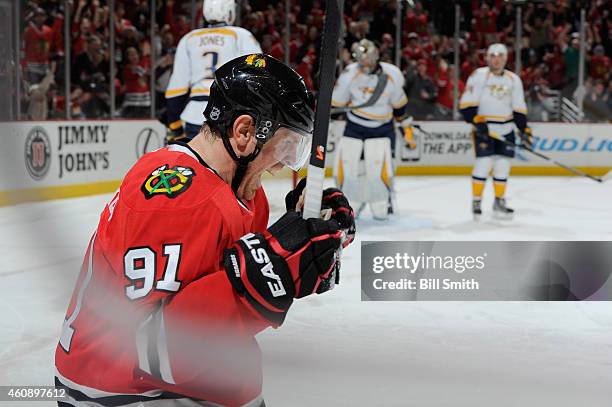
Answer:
(182, 270)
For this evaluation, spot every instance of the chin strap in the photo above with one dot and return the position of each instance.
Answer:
(243, 162)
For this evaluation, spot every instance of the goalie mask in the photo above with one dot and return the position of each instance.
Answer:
(275, 96)
(366, 54)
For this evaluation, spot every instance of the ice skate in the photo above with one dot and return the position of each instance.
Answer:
(476, 210)
(501, 211)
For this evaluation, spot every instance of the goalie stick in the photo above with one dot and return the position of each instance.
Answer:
(573, 170)
(327, 76)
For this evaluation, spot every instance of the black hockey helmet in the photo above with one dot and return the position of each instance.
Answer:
(266, 89)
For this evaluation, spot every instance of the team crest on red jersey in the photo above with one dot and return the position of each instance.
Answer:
(168, 182)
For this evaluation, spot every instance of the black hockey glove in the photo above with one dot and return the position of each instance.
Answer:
(333, 199)
(175, 132)
(527, 138)
(481, 130)
(294, 258)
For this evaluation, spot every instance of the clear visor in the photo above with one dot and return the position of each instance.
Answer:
(289, 148)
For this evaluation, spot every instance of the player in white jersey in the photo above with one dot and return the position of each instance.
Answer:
(198, 55)
(494, 103)
(373, 93)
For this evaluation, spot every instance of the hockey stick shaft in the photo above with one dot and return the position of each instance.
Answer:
(327, 76)
(532, 151)
(545, 157)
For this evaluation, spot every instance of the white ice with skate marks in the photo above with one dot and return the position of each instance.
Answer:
(335, 350)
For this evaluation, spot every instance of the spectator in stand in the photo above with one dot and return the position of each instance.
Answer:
(485, 25)
(416, 20)
(433, 64)
(57, 35)
(596, 103)
(278, 48)
(305, 67)
(79, 38)
(472, 62)
(129, 38)
(310, 44)
(445, 84)
(163, 68)
(90, 75)
(179, 25)
(528, 71)
(600, 64)
(554, 61)
(317, 13)
(540, 105)
(387, 53)
(539, 33)
(505, 19)
(413, 51)
(137, 98)
(571, 55)
(121, 23)
(37, 41)
(38, 104)
(94, 12)
(422, 93)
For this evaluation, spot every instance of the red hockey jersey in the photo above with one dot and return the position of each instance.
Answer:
(153, 314)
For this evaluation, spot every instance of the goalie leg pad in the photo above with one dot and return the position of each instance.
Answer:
(379, 174)
(347, 169)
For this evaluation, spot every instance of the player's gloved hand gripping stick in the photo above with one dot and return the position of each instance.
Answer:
(481, 129)
(527, 137)
(334, 204)
(294, 258)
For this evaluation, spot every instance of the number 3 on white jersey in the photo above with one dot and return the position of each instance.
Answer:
(211, 59)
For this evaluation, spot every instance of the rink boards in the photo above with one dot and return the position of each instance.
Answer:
(61, 159)
(446, 148)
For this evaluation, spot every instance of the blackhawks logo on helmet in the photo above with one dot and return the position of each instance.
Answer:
(256, 60)
(168, 182)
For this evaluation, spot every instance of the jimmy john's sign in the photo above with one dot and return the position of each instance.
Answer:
(64, 153)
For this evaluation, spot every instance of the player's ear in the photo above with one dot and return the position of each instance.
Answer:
(243, 131)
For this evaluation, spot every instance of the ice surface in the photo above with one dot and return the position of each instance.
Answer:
(335, 350)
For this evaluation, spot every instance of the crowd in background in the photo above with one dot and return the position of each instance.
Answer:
(549, 50)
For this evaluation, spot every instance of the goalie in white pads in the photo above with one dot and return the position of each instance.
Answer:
(494, 103)
(198, 55)
(372, 94)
